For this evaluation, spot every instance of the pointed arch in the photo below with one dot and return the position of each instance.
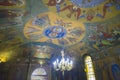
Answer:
(89, 68)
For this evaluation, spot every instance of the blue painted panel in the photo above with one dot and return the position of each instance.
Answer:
(116, 71)
(87, 3)
(55, 32)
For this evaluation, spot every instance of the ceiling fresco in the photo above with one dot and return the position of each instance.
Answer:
(85, 10)
(79, 26)
(48, 27)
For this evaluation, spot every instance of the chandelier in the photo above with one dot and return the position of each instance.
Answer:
(63, 64)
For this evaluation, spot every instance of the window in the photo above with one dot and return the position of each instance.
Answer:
(89, 68)
(39, 74)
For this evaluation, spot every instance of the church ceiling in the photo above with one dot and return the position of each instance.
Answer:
(81, 26)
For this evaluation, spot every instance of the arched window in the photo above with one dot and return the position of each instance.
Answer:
(89, 68)
(39, 74)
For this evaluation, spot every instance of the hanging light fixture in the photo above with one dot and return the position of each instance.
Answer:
(63, 64)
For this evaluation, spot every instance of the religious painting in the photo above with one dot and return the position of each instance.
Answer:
(49, 27)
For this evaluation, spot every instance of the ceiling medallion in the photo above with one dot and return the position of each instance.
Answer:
(49, 27)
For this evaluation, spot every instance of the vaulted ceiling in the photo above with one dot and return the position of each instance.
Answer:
(78, 26)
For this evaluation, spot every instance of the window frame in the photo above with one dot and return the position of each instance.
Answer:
(89, 68)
